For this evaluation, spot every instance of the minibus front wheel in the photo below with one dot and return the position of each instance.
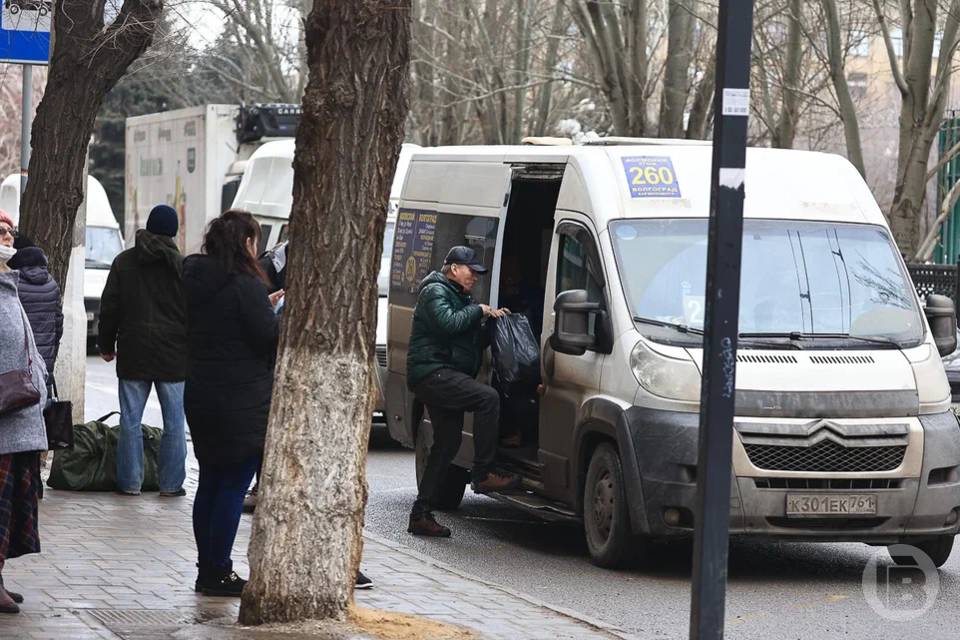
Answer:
(606, 517)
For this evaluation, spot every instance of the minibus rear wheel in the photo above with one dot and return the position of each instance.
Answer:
(937, 549)
(606, 518)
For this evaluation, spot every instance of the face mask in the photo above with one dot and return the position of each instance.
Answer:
(6, 252)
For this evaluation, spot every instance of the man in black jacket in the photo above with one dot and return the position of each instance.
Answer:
(143, 323)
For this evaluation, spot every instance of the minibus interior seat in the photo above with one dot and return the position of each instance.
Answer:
(528, 233)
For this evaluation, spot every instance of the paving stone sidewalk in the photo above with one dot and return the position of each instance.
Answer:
(116, 567)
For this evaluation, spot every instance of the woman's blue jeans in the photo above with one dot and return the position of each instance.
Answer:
(216, 513)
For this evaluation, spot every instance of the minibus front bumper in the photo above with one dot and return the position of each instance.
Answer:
(920, 499)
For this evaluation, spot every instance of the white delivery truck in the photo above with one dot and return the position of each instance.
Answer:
(103, 241)
(843, 430)
(192, 160)
(266, 191)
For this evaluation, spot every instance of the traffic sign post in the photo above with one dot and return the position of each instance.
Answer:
(25, 39)
(721, 327)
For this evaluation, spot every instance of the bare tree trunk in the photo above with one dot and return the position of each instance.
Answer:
(676, 81)
(921, 111)
(88, 59)
(523, 63)
(637, 62)
(549, 68)
(790, 104)
(306, 543)
(590, 20)
(848, 111)
(702, 102)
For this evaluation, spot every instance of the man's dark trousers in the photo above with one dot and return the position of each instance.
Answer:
(448, 393)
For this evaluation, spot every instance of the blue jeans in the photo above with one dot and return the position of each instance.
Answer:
(216, 513)
(173, 444)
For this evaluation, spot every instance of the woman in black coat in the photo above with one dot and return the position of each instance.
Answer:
(232, 340)
(40, 297)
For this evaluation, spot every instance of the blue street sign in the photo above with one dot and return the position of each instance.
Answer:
(25, 31)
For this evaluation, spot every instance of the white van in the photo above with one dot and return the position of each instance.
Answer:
(266, 191)
(843, 430)
(103, 242)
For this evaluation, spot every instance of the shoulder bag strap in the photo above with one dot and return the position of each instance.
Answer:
(26, 338)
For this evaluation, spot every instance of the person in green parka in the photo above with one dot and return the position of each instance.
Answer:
(442, 363)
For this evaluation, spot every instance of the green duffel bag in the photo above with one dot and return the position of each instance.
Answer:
(92, 463)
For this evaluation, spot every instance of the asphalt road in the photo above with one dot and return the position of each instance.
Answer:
(775, 591)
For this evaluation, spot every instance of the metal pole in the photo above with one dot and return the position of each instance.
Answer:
(26, 120)
(725, 242)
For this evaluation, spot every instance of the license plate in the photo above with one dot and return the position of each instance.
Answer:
(831, 504)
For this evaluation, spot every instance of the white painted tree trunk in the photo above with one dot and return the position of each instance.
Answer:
(307, 541)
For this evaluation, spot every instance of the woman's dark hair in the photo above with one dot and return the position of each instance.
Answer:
(226, 242)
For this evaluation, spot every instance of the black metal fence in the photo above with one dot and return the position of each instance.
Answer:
(940, 279)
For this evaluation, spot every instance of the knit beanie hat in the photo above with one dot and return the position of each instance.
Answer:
(163, 221)
(5, 217)
(23, 242)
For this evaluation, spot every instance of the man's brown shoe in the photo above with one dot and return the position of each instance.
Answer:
(425, 525)
(495, 482)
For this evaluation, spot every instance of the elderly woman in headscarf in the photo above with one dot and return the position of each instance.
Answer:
(22, 432)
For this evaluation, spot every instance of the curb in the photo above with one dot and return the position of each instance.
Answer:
(597, 625)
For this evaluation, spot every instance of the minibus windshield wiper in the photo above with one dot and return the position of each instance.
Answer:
(682, 328)
(800, 335)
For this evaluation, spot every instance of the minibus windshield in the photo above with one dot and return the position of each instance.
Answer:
(103, 245)
(840, 283)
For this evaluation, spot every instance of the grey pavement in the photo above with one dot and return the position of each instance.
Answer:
(123, 567)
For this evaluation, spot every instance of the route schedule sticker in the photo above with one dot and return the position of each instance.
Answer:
(412, 248)
(651, 177)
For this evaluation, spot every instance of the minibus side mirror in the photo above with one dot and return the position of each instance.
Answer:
(571, 332)
(942, 316)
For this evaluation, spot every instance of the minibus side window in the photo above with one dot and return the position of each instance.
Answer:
(421, 242)
(577, 268)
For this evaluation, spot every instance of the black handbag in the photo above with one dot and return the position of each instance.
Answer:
(58, 418)
(17, 389)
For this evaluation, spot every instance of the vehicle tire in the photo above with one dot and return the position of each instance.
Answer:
(42, 11)
(453, 488)
(421, 448)
(14, 9)
(455, 483)
(606, 518)
(937, 549)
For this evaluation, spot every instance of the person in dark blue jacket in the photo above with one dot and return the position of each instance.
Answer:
(40, 297)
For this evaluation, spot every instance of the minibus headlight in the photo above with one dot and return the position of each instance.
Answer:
(677, 379)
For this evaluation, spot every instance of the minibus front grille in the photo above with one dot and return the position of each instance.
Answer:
(825, 456)
(382, 355)
(828, 483)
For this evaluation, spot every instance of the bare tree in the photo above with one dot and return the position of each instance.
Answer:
(846, 108)
(676, 75)
(617, 37)
(923, 91)
(306, 542)
(89, 57)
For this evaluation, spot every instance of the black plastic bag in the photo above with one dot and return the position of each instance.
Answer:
(516, 354)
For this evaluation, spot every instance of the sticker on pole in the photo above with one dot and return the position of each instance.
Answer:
(651, 177)
(736, 102)
(25, 31)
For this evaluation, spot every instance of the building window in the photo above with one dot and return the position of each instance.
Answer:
(857, 81)
(860, 44)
